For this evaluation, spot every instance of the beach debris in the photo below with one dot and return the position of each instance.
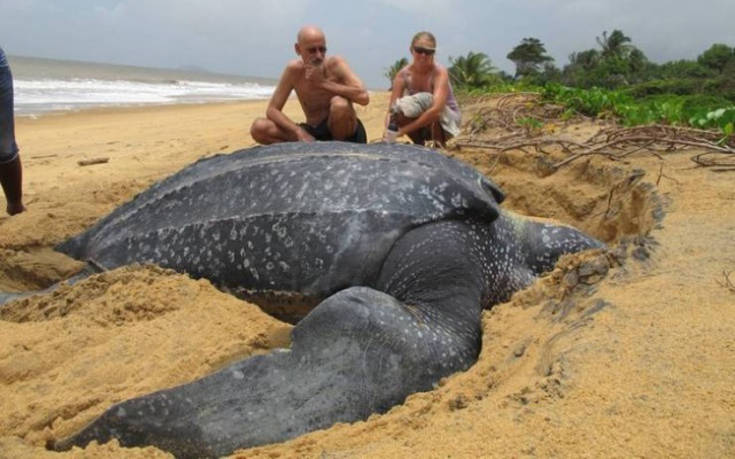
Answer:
(526, 122)
(727, 282)
(89, 162)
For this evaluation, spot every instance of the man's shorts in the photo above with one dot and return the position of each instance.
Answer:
(8, 147)
(321, 132)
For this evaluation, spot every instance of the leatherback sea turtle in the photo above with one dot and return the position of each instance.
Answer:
(400, 246)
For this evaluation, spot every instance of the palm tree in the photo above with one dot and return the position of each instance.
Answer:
(474, 70)
(393, 70)
(529, 56)
(585, 59)
(615, 44)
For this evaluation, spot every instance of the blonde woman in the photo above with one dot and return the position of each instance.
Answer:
(422, 103)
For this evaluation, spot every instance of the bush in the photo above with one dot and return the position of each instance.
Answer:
(723, 86)
(708, 111)
(679, 86)
(704, 103)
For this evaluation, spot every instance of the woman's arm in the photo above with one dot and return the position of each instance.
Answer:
(441, 93)
(399, 84)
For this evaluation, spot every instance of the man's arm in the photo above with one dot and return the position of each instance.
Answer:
(274, 112)
(350, 87)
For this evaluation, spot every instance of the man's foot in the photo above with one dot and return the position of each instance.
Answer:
(11, 179)
(15, 208)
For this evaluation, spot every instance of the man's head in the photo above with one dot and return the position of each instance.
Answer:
(311, 45)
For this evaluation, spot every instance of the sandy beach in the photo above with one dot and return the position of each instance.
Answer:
(623, 352)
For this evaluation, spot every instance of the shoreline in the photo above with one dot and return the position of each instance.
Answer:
(296, 115)
(130, 107)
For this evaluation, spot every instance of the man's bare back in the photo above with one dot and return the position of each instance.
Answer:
(326, 89)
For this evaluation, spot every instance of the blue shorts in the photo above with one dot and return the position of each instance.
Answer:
(8, 147)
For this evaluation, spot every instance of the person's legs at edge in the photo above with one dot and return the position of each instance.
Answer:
(11, 172)
(438, 135)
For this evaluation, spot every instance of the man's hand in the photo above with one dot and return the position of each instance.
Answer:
(315, 74)
(304, 136)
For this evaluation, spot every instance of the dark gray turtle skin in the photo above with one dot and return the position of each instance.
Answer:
(399, 247)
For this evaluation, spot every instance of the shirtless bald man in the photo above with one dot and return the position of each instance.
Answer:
(326, 88)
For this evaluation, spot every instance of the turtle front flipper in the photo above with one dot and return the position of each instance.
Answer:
(88, 270)
(360, 351)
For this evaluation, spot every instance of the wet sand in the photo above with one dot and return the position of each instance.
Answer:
(623, 352)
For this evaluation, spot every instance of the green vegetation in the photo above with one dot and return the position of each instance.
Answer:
(529, 56)
(693, 110)
(472, 71)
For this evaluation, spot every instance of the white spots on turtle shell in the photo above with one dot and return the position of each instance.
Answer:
(545, 238)
(237, 374)
(250, 244)
(279, 229)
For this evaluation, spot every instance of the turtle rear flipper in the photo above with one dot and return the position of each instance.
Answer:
(360, 351)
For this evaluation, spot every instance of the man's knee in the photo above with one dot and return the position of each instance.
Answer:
(259, 129)
(340, 107)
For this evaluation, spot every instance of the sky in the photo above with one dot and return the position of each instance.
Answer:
(255, 37)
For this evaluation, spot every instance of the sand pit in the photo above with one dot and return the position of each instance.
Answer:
(627, 351)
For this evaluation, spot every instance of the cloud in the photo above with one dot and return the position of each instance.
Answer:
(255, 36)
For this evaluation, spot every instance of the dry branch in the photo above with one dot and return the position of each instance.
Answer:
(89, 162)
(726, 282)
(615, 142)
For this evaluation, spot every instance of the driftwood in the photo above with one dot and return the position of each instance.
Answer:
(726, 282)
(89, 162)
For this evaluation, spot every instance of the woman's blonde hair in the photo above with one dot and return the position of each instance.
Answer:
(428, 35)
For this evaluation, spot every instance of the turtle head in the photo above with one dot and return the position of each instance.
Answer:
(544, 241)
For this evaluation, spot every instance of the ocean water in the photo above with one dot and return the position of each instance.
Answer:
(46, 85)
